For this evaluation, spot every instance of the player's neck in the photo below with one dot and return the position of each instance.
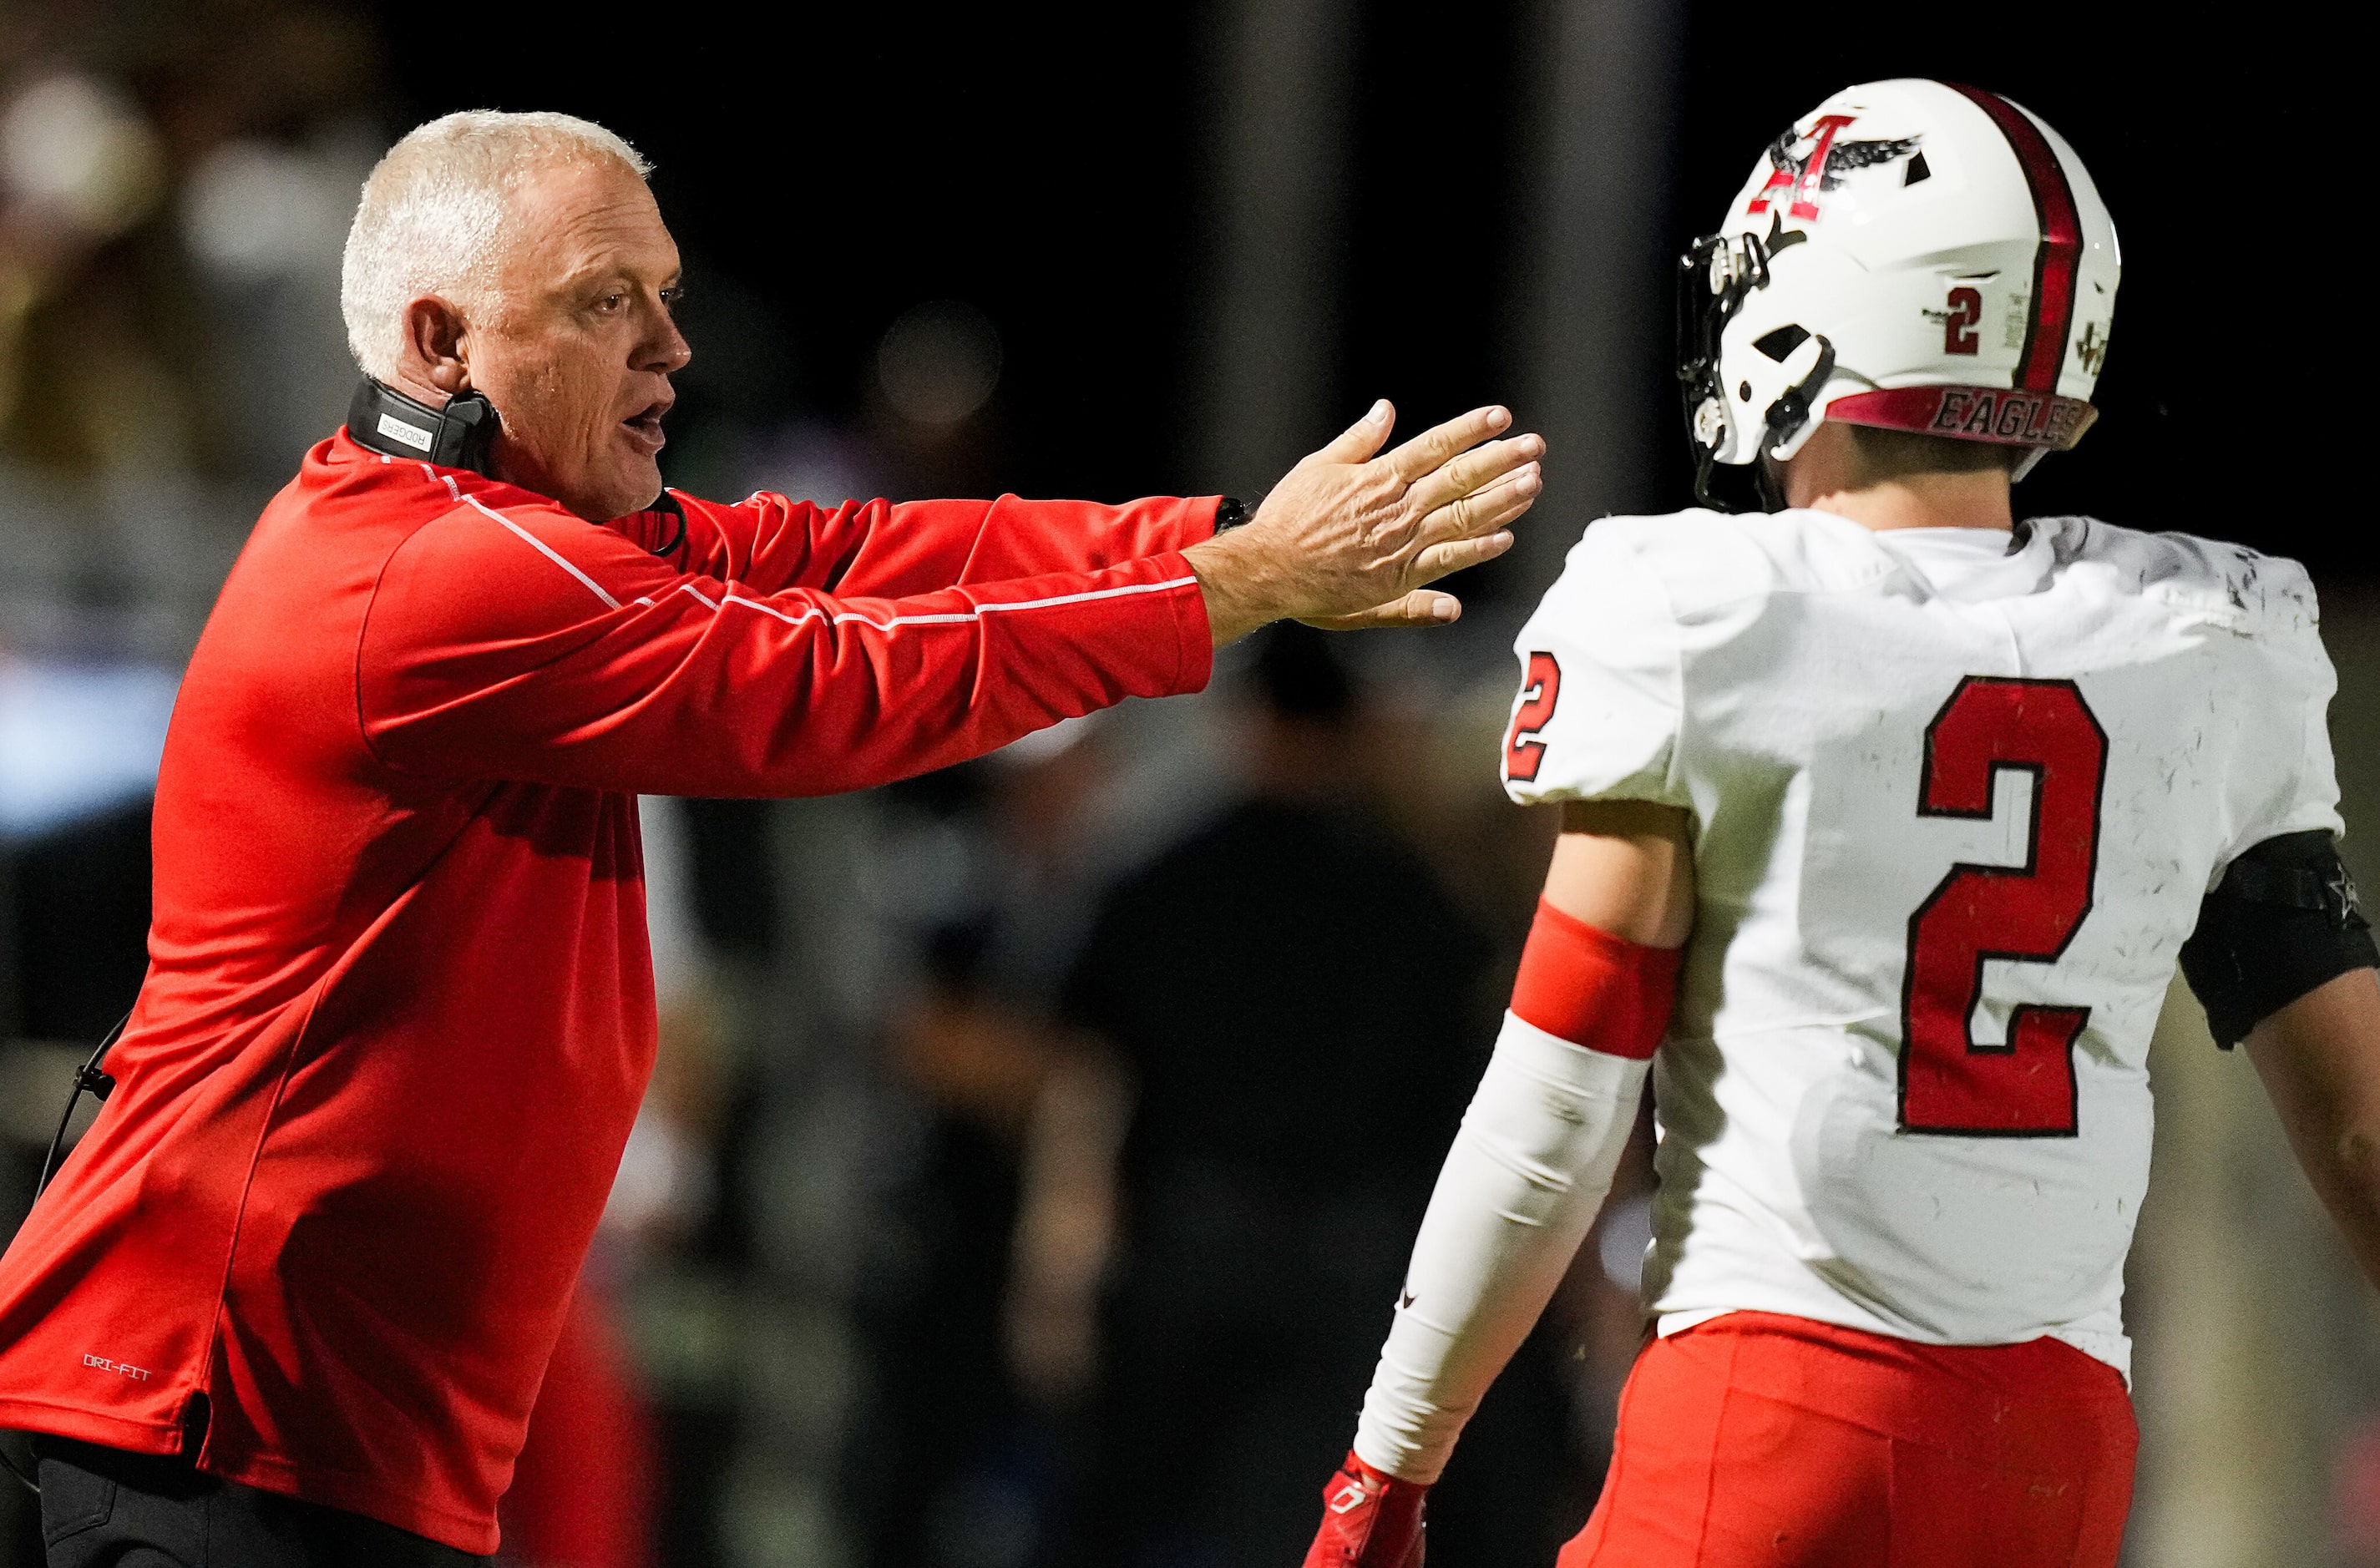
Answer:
(1831, 473)
(1977, 500)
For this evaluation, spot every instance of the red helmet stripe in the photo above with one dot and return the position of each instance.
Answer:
(2059, 260)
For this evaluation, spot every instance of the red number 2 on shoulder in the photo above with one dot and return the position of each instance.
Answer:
(1523, 752)
(2024, 1088)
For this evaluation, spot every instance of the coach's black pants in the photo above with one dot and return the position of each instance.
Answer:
(102, 1508)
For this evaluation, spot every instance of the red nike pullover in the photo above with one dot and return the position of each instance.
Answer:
(399, 1009)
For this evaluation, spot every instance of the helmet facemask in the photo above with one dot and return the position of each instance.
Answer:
(1769, 406)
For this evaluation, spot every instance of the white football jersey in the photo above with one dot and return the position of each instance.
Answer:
(1956, 799)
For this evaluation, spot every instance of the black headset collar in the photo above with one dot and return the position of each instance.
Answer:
(383, 419)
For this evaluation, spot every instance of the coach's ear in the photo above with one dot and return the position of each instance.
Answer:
(437, 349)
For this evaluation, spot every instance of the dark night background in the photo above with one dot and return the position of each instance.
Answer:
(827, 166)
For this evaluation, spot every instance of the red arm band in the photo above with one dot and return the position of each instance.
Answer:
(1594, 988)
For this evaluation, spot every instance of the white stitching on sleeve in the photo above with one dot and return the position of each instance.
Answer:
(543, 549)
(807, 612)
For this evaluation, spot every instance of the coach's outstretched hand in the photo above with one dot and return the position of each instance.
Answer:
(1348, 538)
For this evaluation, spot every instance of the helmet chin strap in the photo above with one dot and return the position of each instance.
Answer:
(1789, 418)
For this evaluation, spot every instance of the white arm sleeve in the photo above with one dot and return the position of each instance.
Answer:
(1522, 1184)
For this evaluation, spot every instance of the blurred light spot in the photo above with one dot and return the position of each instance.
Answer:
(256, 211)
(1627, 1235)
(76, 739)
(81, 148)
(1047, 746)
(938, 362)
(807, 462)
(663, 1180)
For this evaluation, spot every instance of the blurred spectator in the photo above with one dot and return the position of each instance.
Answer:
(946, 1470)
(954, 1463)
(1297, 1003)
(84, 362)
(145, 147)
(174, 180)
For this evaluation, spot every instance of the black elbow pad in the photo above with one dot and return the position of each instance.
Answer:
(2283, 920)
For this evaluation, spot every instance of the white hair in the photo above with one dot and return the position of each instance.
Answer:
(435, 212)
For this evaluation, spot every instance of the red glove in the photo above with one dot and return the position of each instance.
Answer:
(1369, 1520)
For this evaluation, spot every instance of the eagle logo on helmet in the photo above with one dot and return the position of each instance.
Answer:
(1825, 160)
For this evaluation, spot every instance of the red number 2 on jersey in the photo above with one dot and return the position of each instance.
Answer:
(2024, 1088)
(1539, 692)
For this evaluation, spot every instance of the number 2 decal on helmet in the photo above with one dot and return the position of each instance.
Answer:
(1964, 308)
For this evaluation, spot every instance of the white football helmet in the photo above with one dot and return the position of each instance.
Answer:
(1912, 255)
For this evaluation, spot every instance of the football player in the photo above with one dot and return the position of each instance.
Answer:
(1886, 822)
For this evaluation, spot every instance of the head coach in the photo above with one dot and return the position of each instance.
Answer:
(290, 1300)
